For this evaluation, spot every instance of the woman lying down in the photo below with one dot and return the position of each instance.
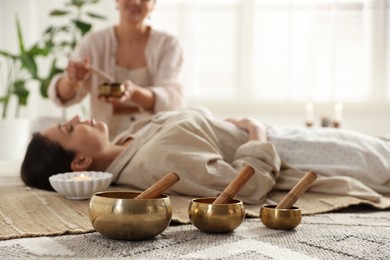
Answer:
(208, 153)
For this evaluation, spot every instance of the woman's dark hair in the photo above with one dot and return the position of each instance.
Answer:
(43, 159)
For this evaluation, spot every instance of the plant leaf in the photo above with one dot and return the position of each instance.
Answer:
(49, 30)
(46, 81)
(95, 15)
(8, 55)
(77, 3)
(49, 44)
(73, 44)
(58, 12)
(38, 51)
(20, 36)
(82, 26)
(21, 92)
(28, 62)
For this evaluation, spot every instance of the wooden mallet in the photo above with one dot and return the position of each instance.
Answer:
(235, 186)
(300, 188)
(159, 187)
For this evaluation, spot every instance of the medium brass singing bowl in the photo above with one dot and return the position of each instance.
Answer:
(116, 214)
(114, 89)
(285, 219)
(218, 218)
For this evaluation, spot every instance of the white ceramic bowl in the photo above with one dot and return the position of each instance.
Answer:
(80, 185)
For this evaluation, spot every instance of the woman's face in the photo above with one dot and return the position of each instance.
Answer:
(88, 137)
(135, 11)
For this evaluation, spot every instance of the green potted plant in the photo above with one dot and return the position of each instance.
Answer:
(18, 70)
(57, 42)
(63, 38)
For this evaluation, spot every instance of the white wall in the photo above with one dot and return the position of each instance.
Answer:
(371, 119)
(374, 119)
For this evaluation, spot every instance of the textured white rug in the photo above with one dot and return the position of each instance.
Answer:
(350, 235)
(362, 235)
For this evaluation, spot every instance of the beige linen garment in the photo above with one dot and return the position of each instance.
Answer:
(208, 153)
(164, 62)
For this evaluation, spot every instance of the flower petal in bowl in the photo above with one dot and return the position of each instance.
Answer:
(80, 185)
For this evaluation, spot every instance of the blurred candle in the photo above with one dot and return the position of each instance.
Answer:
(82, 177)
(338, 112)
(309, 113)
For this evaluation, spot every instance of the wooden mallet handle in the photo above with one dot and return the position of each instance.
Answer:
(102, 74)
(300, 188)
(159, 187)
(235, 186)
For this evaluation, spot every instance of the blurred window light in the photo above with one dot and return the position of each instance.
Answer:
(282, 50)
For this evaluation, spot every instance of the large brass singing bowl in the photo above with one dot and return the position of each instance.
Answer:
(218, 218)
(116, 214)
(280, 218)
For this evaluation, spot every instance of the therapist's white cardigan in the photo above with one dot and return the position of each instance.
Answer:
(164, 61)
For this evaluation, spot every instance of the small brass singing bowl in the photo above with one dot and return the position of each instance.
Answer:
(285, 219)
(113, 89)
(218, 218)
(116, 214)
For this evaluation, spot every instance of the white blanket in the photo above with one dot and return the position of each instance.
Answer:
(335, 152)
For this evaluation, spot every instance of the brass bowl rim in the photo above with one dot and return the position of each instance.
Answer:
(272, 208)
(110, 88)
(100, 194)
(233, 202)
(111, 84)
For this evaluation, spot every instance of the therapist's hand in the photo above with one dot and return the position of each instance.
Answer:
(142, 97)
(256, 129)
(78, 71)
(129, 90)
(68, 84)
